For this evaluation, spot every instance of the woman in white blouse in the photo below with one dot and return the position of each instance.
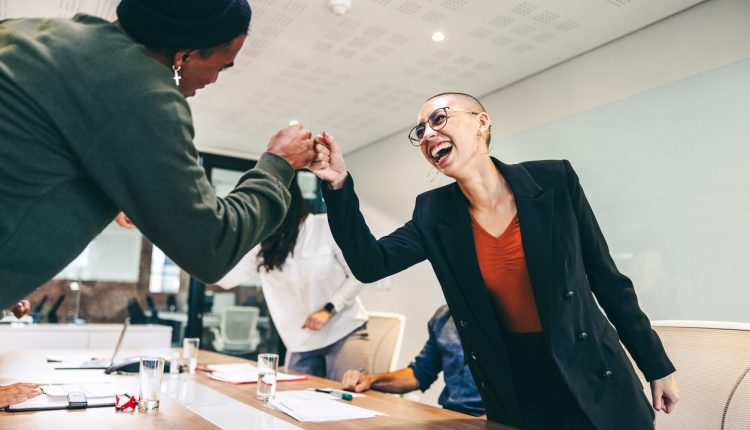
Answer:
(311, 294)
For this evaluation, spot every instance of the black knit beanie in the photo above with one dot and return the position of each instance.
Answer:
(184, 24)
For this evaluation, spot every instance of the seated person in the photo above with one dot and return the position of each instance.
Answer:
(17, 393)
(442, 352)
(20, 391)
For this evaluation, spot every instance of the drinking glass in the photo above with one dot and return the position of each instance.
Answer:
(150, 374)
(268, 365)
(190, 347)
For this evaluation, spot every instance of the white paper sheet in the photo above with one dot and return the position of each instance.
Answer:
(311, 406)
(244, 373)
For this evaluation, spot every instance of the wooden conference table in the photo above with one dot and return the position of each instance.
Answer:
(173, 414)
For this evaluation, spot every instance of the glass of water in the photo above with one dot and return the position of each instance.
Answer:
(268, 365)
(190, 347)
(150, 375)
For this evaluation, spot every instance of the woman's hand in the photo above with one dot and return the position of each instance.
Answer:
(665, 393)
(329, 161)
(17, 393)
(21, 308)
(316, 320)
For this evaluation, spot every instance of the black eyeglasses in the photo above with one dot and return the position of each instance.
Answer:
(437, 121)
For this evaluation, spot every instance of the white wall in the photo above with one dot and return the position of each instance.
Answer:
(390, 173)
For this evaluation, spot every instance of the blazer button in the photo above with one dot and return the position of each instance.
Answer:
(484, 386)
(607, 374)
(473, 356)
(463, 324)
(569, 295)
(583, 335)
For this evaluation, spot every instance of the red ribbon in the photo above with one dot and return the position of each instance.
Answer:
(131, 403)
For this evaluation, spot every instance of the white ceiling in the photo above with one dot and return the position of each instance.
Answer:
(362, 77)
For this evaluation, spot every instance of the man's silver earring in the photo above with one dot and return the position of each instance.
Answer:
(176, 76)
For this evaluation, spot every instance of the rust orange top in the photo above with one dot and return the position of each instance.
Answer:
(503, 266)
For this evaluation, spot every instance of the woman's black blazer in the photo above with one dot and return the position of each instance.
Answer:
(569, 265)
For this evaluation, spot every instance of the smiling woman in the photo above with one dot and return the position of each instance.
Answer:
(521, 280)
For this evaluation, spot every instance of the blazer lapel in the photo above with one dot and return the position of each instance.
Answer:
(535, 210)
(458, 241)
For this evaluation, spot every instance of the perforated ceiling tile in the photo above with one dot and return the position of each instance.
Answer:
(295, 7)
(349, 24)
(398, 39)
(448, 69)
(383, 50)
(298, 66)
(524, 8)
(359, 43)
(409, 8)
(374, 32)
(546, 17)
(453, 5)
(342, 76)
(502, 41)
(567, 26)
(444, 53)
(483, 66)
(335, 35)
(68, 8)
(427, 62)
(522, 48)
(463, 60)
(271, 32)
(543, 37)
(278, 19)
(523, 29)
(480, 33)
(337, 49)
(381, 2)
(502, 21)
(106, 9)
(467, 74)
(434, 16)
(346, 52)
(321, 46)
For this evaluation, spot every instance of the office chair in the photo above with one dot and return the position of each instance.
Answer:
(154, 318)
(222, 301)
(136, 314)
(238, 331)
(713, 361)
(52, 313)
(386, 332)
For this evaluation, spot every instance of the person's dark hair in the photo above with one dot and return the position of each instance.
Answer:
(473, 103)
(280, 244)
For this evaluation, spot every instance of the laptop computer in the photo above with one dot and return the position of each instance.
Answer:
(96, 364)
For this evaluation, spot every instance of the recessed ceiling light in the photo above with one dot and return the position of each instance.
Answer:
(293, 122)
(438, 36)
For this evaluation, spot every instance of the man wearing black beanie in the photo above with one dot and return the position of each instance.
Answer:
(93, 120)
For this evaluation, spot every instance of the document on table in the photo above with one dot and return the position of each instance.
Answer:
(56, 395)
(311, 406)
(244, 373)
